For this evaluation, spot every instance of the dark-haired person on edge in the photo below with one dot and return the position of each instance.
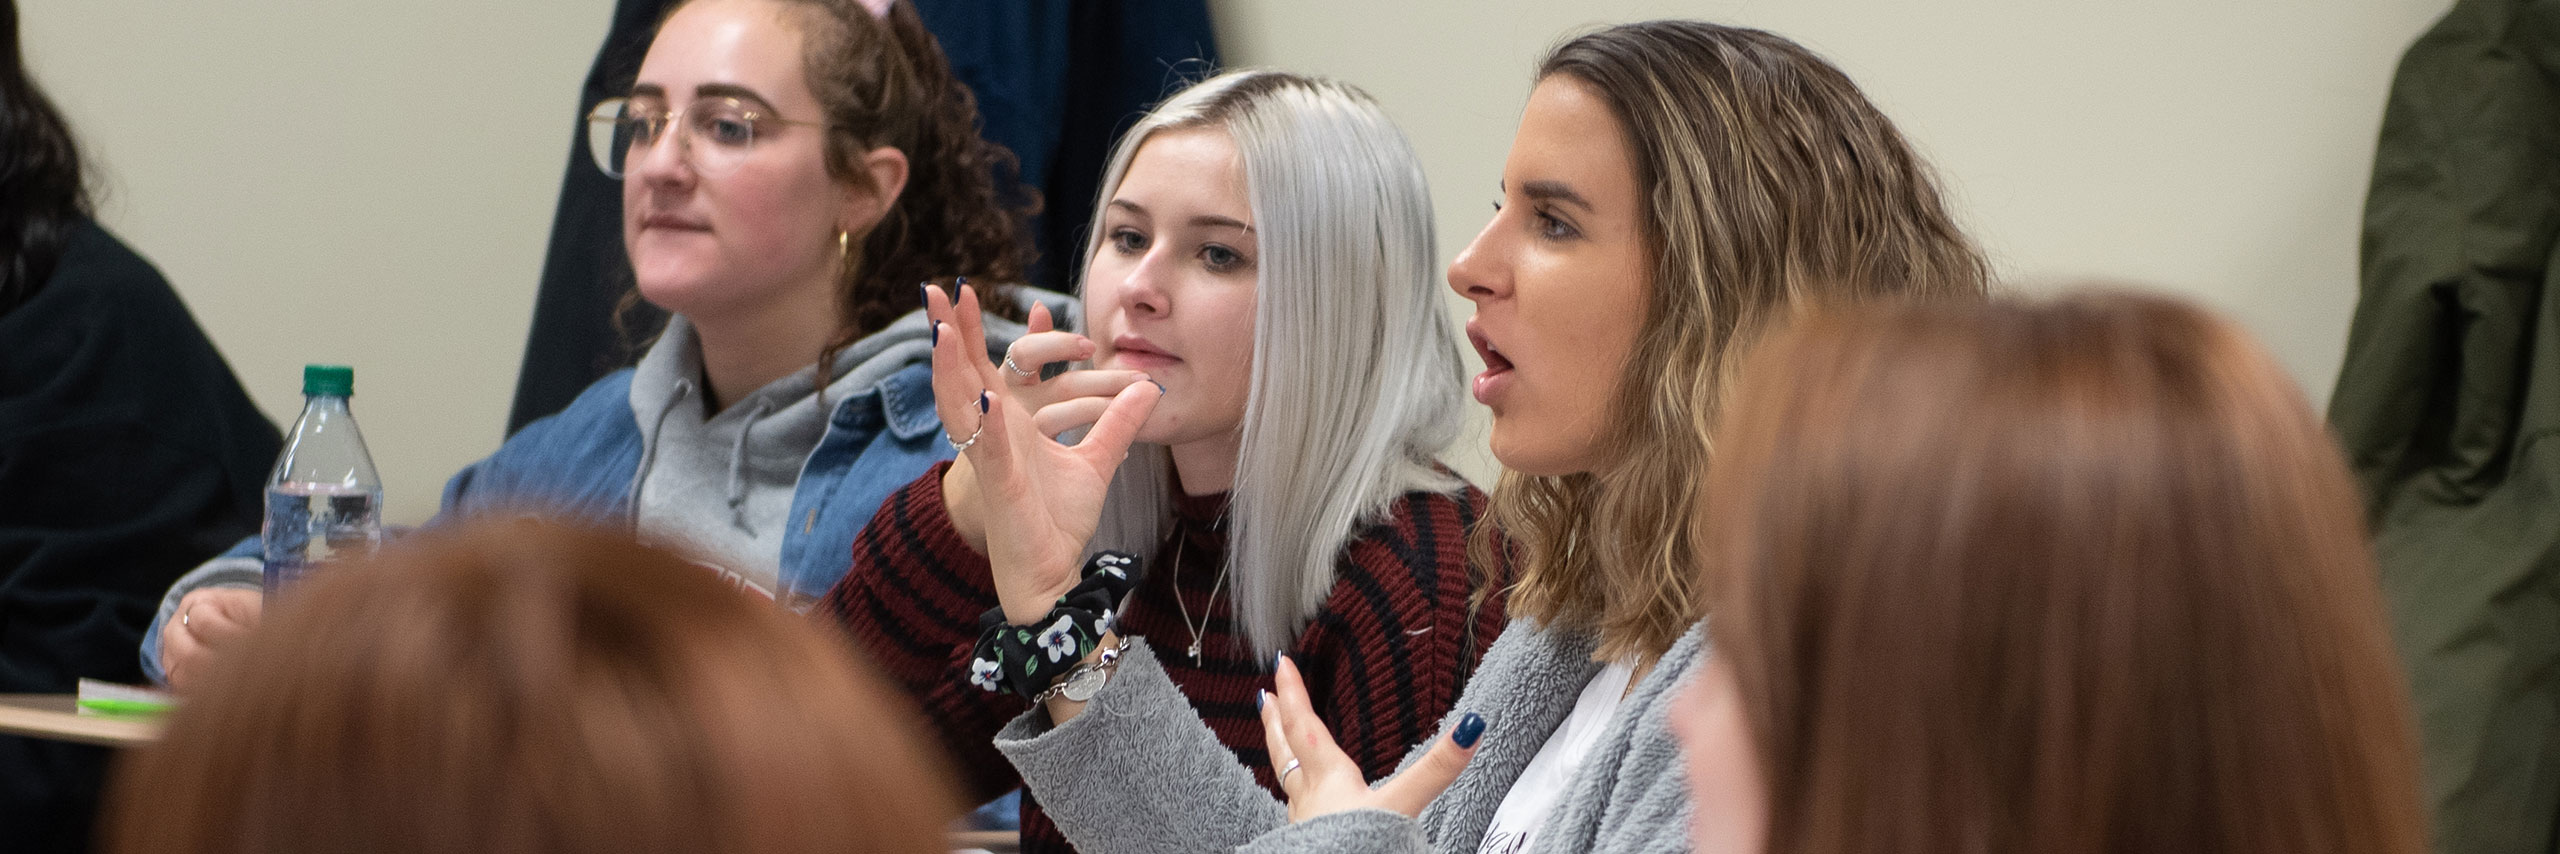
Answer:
(128, 452)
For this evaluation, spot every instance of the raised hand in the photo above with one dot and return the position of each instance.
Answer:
(1069, 400)
(1320, 779)
(1037, 501)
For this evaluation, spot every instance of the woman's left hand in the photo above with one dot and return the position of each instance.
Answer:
(1037, 501)
(1320, 779)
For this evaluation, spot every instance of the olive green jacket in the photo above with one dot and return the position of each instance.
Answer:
(2451, 385)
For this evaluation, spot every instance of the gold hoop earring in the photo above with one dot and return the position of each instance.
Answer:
(844, 246)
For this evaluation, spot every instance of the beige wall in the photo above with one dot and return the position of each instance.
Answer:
(372, 182)
(2216, 148)
(366, 182)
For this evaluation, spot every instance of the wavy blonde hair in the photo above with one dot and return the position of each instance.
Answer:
(1773, 183)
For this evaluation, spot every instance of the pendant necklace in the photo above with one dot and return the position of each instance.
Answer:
(1181, 538)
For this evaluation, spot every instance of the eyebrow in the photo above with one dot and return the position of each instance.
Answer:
(706, 90)
(1554, 191)
(1203, 221)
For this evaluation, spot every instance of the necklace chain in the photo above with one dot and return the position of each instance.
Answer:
(1182, 537)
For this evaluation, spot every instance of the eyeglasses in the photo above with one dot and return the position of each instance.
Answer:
(719, 133)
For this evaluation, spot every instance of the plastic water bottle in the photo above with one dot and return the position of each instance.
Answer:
(324, 502)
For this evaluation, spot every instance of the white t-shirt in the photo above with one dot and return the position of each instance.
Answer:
(1550, 773)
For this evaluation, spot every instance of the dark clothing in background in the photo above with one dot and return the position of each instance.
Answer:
(574, 341)
(2451, 382)
(128, 453)
(1056, 81)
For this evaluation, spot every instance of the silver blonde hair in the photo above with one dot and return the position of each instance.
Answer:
(1357, 380)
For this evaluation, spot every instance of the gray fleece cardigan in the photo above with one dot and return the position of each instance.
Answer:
(1138, 773)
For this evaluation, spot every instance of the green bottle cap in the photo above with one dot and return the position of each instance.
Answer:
(336, 380)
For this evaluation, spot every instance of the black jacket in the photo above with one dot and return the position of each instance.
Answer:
(128, 453)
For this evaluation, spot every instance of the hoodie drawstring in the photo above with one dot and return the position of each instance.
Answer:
(738, 469)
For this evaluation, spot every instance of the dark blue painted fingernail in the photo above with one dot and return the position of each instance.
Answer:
(936, 341)
(1160, 389)
(1276, 658)
(924, 294)
(1259, 698)
(957, 281)
(1468, 730)
(983, 398)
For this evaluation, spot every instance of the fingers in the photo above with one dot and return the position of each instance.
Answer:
(1075, 400)
(973, 334)
(1276, 742)
(1040, 321)
(1118, 427)
(957, 385)
(209, 620)
(1057, 419)
(1327, 780)
(221, 613)
(1098, 384)
(181, 657)
(991, 458)
(937, 304)
(1309, 738)
(1032, 351)
(1414, 788)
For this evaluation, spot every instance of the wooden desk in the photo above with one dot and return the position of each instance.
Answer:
(58, 717)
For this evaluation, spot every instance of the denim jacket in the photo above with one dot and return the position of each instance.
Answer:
(583, 464)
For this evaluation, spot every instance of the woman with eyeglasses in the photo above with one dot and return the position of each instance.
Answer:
(791, 170)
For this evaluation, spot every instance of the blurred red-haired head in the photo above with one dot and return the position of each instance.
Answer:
(517, 687)
(2072, 575)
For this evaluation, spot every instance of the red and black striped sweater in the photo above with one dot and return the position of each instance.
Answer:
(1384, 658)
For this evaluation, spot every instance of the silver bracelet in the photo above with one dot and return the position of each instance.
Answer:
(1086, 680)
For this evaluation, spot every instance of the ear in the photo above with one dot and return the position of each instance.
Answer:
(887, 167)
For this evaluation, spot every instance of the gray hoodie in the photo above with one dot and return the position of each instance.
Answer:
(721, 485)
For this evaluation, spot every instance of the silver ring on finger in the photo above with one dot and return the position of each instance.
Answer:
(1285, 771)
(1020, 376)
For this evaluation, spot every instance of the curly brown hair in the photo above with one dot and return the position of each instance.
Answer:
(884, 82)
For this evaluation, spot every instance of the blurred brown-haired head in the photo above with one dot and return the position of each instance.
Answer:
(2072, 575)
(516, 687)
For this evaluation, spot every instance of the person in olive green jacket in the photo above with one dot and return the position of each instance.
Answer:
(2452, 376)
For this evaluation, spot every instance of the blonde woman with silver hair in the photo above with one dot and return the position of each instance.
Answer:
(1260, 283)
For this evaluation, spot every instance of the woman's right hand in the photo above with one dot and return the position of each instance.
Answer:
(1070, 400)
(1039, 501)
(208, 623)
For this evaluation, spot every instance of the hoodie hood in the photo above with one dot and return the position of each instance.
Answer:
(721, 484)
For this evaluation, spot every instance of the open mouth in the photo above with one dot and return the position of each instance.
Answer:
(1494, 362)
(1497, 368)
